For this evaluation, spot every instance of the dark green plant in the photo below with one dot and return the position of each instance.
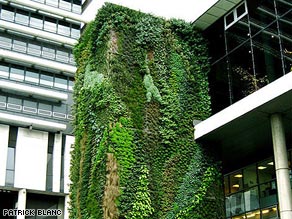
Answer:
(141, 81)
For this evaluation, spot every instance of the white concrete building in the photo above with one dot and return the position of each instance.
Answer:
(36, 81)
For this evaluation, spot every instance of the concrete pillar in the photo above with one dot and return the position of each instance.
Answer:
(281, 166)
(21, 203)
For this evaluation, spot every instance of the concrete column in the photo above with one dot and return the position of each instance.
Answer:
(281, 166)
(21, 203)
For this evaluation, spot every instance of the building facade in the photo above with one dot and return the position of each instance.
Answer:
(251, 91)
(36, 81)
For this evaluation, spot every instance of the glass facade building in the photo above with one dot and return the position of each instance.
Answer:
(254, 49)
(250, 46)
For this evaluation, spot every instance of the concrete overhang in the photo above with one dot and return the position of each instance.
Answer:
(242, 130)
(214, 13)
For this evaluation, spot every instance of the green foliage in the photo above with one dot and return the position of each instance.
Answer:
(142, 202)
(140, 110)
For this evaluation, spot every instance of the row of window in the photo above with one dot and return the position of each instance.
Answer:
(35, 20)
(61, 111)
(253, 188)
(36, 48)
(68, 5)
(37, 77)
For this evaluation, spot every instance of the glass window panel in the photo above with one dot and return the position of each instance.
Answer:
(34, 49)
(228, 206)
(36, 21)
(44, 106)
(71, 85)
(236, 183)
(47, 80)
(250, 176)
(61, 109)
(5, 42)
(76, 8)
(64, 28)
(29, 103)
(61, 83)
(4, 70)
(65, 5)
(32, 76)
(19, 45)
(52, 2)
(62, 55)
(72, 60)
(48, 52)
(7, 13)
(268, 194)
(251, 199)
(267, 54)
(50, 25)
(3, 98)
(75, 31)
(14, 100)
(21, 17)
(10, 164)
(17, 73)
(9, 180)
(229, 18)
(237, 203)
(266, 171)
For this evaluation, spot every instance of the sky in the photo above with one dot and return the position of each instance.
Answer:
(188, 10)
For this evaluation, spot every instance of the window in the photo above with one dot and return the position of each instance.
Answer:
(50, 25)
(75, 31)
(48, 52)
(46, 80)
(62, 55)
(21, 17)
(36, 21)
(34, 49)
(71, 84)
(32, 76)
(64, 28)
(45, 109)
(29, 106)
(4, 70)
(19, 45)
(61, 83)
(65, 5)
(235, 15)
(7, 13)
(17, 73)
(5, 42)
(52, 2)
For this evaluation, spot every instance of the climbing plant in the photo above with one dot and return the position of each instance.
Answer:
(141, 81)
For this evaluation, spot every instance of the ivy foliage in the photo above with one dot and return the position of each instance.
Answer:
(141, 81)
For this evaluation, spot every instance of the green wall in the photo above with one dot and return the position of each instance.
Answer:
(140, 83)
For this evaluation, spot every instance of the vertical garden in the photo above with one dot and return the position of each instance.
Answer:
(140, 83)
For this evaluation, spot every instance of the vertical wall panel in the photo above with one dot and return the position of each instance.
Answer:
(67, 158)
(31, 159)
(4, 134)
(57, 162)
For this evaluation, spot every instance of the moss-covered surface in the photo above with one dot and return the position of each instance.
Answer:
(140, 83)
